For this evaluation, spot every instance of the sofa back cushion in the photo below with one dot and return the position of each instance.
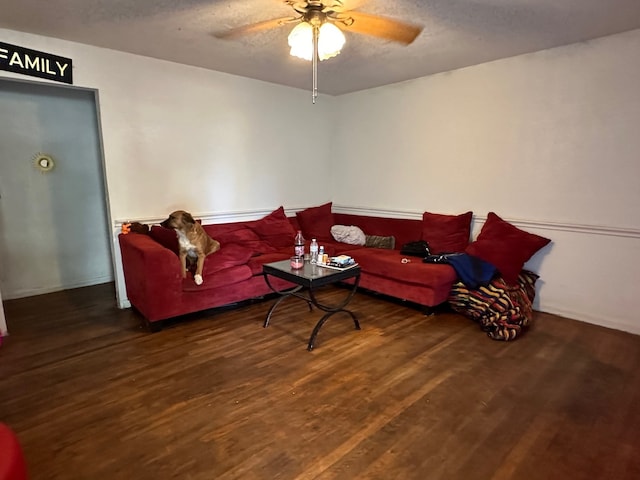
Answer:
(404, 230)
(237, 233)
(275, 229)
(316, 222)
(231, 233)
(446, 233)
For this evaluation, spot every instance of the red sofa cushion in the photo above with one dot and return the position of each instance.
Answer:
(240, 234)
(316, 222)
(505, 246)
(275, 229)
(217, 279)
(446, 233)
(166, 237)
(231, 233)
(229, 255)
(388, 264)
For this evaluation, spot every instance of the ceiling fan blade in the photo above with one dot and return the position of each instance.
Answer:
(254, 27)
(383, 27)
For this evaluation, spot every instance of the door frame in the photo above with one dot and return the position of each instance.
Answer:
(107, 204)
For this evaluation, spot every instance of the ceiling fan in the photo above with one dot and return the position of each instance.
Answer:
(318, 31)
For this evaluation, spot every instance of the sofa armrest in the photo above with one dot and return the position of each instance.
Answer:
(152, 276)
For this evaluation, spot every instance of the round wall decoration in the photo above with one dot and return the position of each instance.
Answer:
(43, 162)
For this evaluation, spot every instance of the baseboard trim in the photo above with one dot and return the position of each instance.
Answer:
(600, 321)
(56, 288)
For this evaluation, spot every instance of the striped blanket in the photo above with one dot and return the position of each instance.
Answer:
(502, 310)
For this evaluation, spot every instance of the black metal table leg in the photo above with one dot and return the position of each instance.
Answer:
(283, 294)
(316, 329)
(331, 310)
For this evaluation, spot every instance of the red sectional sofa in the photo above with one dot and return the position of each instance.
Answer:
(157, 290)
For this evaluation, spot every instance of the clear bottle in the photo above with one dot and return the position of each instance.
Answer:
(313, 250)
(299, 244)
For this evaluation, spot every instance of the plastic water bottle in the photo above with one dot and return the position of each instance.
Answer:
(313, 250)
(299, 244)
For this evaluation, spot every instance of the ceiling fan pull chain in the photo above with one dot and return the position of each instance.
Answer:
(314, 94)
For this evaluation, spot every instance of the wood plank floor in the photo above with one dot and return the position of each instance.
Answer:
(93, 395)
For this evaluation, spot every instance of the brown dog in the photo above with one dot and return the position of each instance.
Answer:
(194, 241)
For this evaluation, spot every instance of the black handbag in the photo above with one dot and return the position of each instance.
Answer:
(419, 248)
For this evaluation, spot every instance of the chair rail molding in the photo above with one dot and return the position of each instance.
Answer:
(608, 230)
(210, 217)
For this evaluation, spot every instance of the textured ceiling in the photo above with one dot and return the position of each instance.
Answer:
(457, 33)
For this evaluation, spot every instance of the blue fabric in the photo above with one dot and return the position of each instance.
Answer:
(472, 271)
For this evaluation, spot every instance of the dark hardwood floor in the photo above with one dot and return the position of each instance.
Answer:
(93, 395)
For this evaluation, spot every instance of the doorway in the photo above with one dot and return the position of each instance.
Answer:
(54, 222)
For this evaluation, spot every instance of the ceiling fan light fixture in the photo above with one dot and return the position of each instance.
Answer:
(301, 41)
(330, 41)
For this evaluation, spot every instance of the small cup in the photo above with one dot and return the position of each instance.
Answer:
(297, 262)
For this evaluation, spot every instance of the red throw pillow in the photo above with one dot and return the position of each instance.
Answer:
(167, 237)
(446, 233)
(505, 246)
(275, 229)
(316, 222)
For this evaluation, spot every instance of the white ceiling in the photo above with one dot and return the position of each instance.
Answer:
(457, 33)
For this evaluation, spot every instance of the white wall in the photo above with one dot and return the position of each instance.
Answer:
(549, 140)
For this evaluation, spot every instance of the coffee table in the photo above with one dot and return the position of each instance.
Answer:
(309, 278)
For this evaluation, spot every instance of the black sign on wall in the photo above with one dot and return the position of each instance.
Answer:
(36, 64)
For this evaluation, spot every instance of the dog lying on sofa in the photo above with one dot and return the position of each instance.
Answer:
(193, 240)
